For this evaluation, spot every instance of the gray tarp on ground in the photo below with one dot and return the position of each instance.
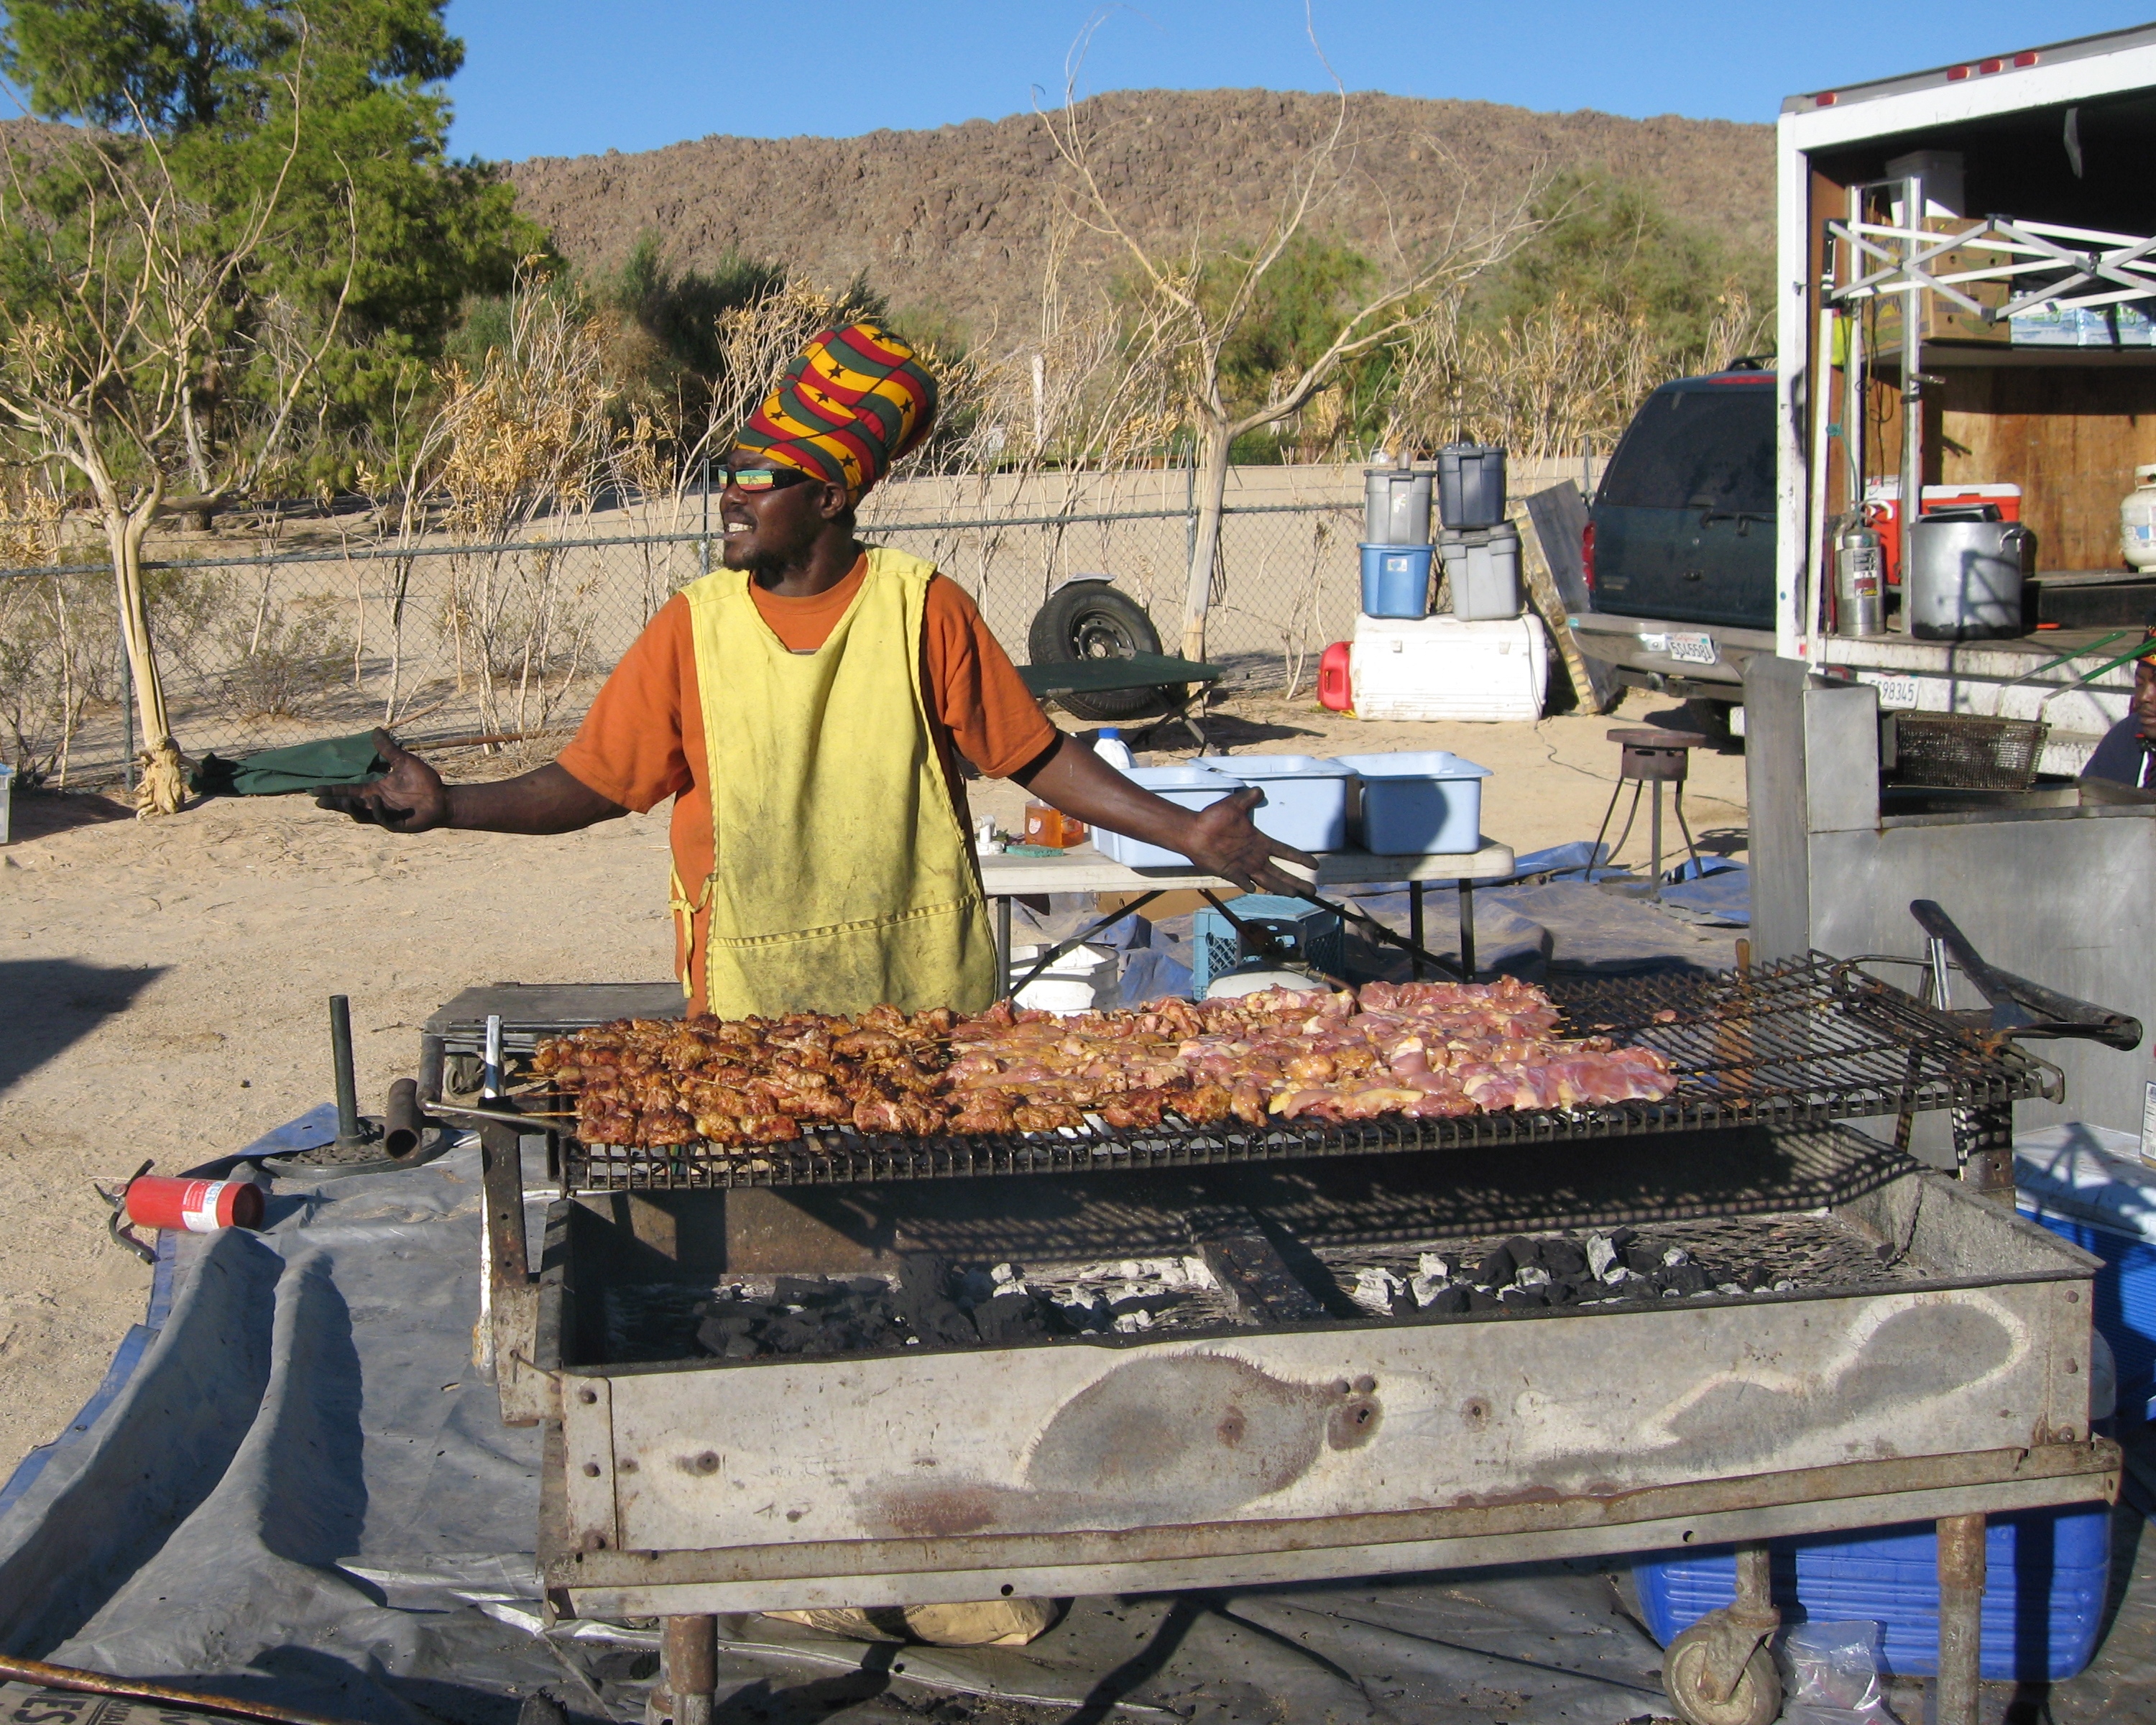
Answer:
(301, 1496)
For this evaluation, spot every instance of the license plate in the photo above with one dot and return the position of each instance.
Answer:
(1897, 693)
(1692, 648)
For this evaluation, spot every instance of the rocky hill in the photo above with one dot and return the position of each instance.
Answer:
(952, 221)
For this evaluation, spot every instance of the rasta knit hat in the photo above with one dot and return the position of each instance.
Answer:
(854, 403)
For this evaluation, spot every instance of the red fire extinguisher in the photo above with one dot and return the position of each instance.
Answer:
(148, 1200)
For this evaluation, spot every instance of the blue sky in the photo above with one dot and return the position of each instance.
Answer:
(554, 78)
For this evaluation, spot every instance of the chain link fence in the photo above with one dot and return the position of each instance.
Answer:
(500, 648)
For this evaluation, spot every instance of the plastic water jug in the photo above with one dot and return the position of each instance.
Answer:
(1109, 745)
(2136, 520)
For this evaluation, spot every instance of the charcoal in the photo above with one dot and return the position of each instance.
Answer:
(1645, 1259)
(1682, 1279)
(1010, 1318)
(1403, 1301)
(789, 1334)
(1564, 1259)
(924, 1302)
(1450, 1301)
(1480, 1300)
(1522, 1297)
(804, 1290)
(1620, 1238)
(1497, 1269)
(739, 1348)
(1560, 1292)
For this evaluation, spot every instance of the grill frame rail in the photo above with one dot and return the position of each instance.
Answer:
(1797, 1042)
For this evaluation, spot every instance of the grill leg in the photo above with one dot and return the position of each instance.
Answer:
(1983, 1146)
(1467, 929)
(1655, 841)
(692, 1668)
(1415, 928)
(1003, 946)
(1961, 1617)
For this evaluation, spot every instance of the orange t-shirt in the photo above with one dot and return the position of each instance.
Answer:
(643, 739)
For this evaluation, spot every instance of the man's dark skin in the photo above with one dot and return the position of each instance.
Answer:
(796, 540)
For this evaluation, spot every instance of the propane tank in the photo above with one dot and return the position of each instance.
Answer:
(1860, 589)
(2136, 520)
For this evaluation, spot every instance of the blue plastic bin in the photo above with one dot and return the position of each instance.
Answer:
(2046, 1572)
(2088, 1185)
(1420, 803)
(1187, 788)
(1306, 798)
(1396, 580)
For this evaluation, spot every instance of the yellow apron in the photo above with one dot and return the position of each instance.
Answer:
(841, 876)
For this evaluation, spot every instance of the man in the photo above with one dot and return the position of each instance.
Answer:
(805, 706)
(2123, 755)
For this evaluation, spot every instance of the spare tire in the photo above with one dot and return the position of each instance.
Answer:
(1091, 619)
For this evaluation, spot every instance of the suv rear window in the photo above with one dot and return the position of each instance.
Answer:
(1693, 446)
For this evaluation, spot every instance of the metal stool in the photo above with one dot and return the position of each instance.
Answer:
(1657, 758)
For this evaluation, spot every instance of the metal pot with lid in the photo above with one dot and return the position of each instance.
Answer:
(1965, 570)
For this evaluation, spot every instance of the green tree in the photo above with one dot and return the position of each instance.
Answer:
(212, 86)
(1607, 246)
(257, 230)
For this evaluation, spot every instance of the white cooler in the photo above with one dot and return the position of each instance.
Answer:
(1442, 668)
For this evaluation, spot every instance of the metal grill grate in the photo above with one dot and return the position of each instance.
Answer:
(1799, 1042)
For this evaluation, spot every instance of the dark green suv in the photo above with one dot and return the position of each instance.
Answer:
(1680, 544)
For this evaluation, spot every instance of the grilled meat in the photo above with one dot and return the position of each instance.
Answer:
(1421, 1050)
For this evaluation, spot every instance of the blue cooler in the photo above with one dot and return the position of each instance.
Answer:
(2047, 1574)
(2089, 1185)
(1396, 580)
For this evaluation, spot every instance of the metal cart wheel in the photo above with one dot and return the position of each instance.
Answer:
(1755, 1701)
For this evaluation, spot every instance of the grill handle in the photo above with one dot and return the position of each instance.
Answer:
(2020, 1007)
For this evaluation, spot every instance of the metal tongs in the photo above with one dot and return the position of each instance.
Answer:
(2018, 1007)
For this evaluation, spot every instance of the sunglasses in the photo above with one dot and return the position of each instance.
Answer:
(764, 479)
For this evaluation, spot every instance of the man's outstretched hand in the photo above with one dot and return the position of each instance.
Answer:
(1224, 842)
(409, 797)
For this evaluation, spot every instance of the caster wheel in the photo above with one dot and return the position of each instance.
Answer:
(1755, 1701)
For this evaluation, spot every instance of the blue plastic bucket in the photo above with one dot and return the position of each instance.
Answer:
(1396, 580)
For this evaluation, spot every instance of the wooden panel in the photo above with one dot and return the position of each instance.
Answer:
(2071, 440)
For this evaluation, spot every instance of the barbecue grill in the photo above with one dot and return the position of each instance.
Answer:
(1277, 1429)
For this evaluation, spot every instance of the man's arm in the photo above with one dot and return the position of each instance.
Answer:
(411, 798)
(1219, 839)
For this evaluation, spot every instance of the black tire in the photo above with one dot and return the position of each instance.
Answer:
(1090, 619)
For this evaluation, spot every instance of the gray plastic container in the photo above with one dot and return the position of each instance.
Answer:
(1483, 566)
(1396, 506)
(1470, 486)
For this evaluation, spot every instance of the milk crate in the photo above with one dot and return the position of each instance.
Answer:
(1217, 946)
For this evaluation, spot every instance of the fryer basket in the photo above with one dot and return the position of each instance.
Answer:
(1966, 752)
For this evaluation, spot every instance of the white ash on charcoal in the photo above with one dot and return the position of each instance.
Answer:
(1719, 1258)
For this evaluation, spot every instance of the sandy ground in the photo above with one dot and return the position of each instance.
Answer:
(163, 984)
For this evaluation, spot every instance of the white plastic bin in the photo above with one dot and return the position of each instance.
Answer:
(1421, 803)
(1306, 798)
(7, 802)
(1443, 667)
(1187, 788)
